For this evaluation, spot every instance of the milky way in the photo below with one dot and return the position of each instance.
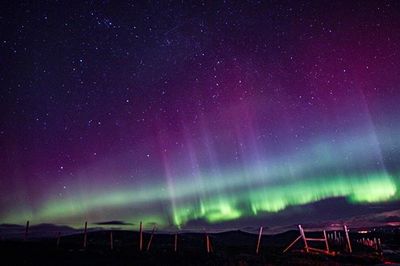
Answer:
(194, 113)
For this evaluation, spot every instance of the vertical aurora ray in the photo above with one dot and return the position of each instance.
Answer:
(171, 190)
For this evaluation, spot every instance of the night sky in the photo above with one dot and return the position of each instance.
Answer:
(198, 113)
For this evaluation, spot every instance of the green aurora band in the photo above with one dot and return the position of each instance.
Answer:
(372, 188)
(217, 196)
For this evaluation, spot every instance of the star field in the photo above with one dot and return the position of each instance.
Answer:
(188, 113)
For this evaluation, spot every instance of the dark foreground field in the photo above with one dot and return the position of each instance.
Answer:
(230, 248)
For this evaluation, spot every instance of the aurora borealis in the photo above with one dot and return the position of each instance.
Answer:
(192, 114)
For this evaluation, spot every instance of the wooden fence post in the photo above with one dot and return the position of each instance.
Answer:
(58, 238)
(259, 240)
(26, 231)
(151, 238)
(326, 242)
(346, 231)
(304, 237)
(176, 242)
(85, 236)
(140, 236)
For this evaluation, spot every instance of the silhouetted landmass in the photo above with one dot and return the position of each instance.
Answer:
(230, 248)
(113, 223)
